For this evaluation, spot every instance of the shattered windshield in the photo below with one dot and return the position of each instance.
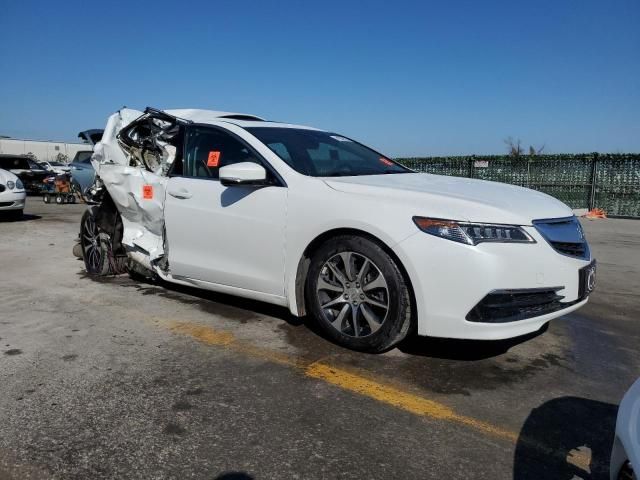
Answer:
(323, 154)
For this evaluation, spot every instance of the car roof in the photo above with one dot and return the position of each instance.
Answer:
(197, 115)
(243, 120)
(250, 124)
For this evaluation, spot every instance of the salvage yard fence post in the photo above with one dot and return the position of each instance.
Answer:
(594, 178)
(607, 181)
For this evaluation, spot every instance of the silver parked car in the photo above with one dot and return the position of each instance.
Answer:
(626, 446)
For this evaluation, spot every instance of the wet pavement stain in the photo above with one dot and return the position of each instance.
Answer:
(70, 357)
(13, 351)
(161, 381)
(182, 405)
(173, 429)
(442, 366)
(231, 307)
(194, 391)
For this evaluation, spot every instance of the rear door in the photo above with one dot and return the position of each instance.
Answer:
(231, 236)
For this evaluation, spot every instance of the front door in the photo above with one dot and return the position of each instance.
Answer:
(231, 236)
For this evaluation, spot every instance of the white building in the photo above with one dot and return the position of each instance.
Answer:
(43, 150)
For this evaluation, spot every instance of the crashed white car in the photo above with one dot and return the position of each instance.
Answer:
(12, 194)
(325, 226)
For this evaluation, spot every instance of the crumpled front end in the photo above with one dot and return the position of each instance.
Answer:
(131, 162)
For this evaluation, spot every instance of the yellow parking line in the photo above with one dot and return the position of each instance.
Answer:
(400, 399)
(203, 333)
(360, 384)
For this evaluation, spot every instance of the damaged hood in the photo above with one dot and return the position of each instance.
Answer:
(456, 198)
(107, 149)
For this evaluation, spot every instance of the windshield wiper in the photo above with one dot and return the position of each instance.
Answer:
(361, 174)
(340, 174)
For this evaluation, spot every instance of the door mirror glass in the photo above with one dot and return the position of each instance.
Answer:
(244, 173)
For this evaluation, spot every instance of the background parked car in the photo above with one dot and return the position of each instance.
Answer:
(55, 167)
(27, 170)
(12, 194)
(82, 172)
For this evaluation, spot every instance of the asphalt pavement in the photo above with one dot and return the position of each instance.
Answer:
(116, 378)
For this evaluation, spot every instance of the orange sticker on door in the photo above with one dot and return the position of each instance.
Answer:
(213, 159)
(147, 192)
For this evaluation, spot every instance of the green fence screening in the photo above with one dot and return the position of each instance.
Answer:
(607, 181)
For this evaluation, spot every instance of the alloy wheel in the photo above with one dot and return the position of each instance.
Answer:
(353, 294)
(91, 246)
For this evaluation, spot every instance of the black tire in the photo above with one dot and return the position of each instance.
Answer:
(396, 323)
(46, 198)
(59, 199)
(97, 252)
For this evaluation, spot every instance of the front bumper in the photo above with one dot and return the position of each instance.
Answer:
(451, 279)
(12, 200)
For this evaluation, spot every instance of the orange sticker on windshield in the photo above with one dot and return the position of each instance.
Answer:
(147, 192)
(386, 161)
(213, 159)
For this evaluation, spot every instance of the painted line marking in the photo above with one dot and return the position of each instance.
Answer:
(374, 389)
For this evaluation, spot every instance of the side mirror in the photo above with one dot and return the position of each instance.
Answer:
(244, 173)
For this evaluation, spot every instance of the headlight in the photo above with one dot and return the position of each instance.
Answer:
(19, 184)
(472, 233)
(10, 184)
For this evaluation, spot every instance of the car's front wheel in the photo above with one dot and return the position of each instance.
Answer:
(358, 294)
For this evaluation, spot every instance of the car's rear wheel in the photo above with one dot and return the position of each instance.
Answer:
(97, 250)
(358, 294)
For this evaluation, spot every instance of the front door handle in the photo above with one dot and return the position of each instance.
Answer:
(181, 193)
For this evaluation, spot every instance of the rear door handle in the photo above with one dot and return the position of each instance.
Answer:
(181, 193)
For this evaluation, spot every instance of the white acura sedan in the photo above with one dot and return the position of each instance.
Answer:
(12, 194)
(325, 226)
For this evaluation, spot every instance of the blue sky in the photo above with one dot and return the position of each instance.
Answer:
(409, 78)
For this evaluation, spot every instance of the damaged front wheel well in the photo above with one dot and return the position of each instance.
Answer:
(108, 221)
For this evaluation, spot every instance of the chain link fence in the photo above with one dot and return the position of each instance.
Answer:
(607, 181)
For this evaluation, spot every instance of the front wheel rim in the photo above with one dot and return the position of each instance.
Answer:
(353, 294)
(91, 246)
